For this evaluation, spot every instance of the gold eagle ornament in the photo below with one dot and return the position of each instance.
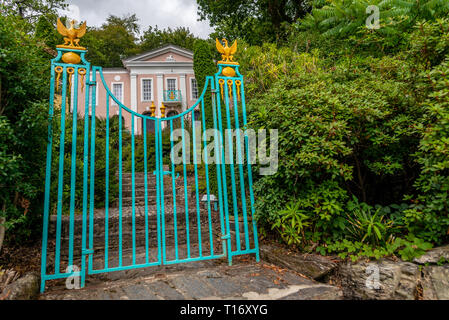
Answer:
(71, 35)
(226, 51)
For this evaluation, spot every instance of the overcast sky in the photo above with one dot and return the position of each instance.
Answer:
(163, 13)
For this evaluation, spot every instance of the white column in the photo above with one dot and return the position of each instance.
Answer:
(184, 96)
(160, 93)
(134, 98)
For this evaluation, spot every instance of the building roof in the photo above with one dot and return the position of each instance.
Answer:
(114, 70)
(157, 52)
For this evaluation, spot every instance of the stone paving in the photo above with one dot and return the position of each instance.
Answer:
(209, 280)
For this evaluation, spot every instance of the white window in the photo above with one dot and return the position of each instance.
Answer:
(193, 88)
(117, 91)
(171, 84)
(147, 89)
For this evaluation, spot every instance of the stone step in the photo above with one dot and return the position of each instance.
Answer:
(140, 191)
(113, 220)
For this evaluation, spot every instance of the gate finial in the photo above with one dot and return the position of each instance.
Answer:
(162, 110)
(152, 109)
(227, 56)
(71, 41)
(226, 51)
(72, 35)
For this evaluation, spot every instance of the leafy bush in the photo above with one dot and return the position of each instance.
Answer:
(23, 120)
(362, 140)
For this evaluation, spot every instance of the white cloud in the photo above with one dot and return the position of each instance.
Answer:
(163, 13)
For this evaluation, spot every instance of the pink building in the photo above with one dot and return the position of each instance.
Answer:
(164, 75)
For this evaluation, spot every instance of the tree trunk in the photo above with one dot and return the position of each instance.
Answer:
(2, 231)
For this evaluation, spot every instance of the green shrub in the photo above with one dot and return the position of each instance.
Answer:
(358, 125)
(24, 79)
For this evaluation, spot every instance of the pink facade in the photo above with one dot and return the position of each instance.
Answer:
(163, 75)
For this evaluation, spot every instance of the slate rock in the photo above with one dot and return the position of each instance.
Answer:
(311, 265)
(379, 280)
(24, 288)
(434, 256)
(435, 282)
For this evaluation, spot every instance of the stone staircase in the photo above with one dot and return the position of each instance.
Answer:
(139, 186)
(144, 217)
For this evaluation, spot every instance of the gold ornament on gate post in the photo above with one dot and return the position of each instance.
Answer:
(153, 109)
(72, 38)
(162, 110)
(227, 54)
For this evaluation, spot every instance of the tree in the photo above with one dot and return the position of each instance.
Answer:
(113, 41)
(47, 35)
(24, 79)
(155, 37)
(31, 10)
(203, 66)
(255, 21)
(345, 17)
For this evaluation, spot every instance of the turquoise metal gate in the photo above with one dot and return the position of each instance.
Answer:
(152, 211)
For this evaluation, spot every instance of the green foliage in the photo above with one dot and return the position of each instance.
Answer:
(428, 217)
(203, 66)
(151, 153)
(32, 10)
(290, 223)
(154, 38)
(112, 42)
(47, 33)
(253, 21)
(23, 121)
(340, 18)
(366, 224)
(407, 248)
(362, 137)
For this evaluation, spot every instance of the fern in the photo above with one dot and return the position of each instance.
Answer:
(343, 17)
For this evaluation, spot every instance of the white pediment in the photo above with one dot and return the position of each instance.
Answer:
(169, 54)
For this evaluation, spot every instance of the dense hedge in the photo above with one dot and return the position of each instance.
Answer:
(24, 79)
(363, 151)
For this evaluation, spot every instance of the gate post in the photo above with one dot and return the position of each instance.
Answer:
(230, 89)
(67, 67)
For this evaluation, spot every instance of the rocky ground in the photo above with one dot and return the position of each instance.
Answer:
(282, 274)
(246, 280)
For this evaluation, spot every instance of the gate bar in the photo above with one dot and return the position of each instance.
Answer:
(221, 181)
(120, 170)
(206, 170)
(240, 165)
(175, 219)
(48, 178)
(73, 164)
(106, 201)
(196, 184)
(231, 165)
(145, 166)
(61, 172)
(133, 170)
(92, 170)
(250, 175)
(161, 180)
(185, 188)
